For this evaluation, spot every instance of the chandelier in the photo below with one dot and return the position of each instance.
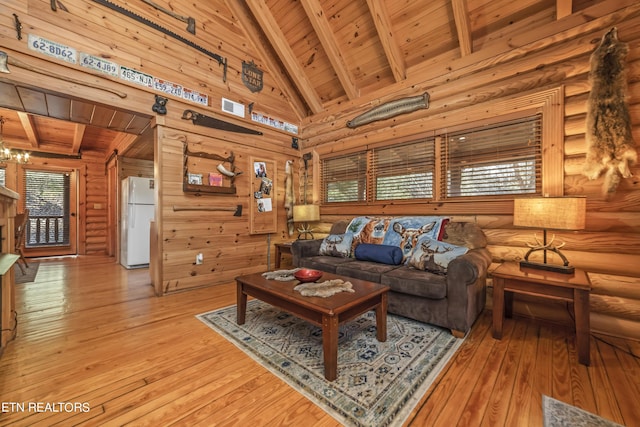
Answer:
(8, 155)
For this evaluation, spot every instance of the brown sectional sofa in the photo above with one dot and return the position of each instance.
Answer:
(451, 300)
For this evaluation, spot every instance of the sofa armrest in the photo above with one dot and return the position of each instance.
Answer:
(466, 269)
(303, 249)
(466, 288)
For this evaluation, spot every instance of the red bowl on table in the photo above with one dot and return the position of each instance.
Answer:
(306, 275)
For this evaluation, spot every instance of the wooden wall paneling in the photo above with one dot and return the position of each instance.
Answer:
(8, 202)
(144, 49)
(259, 43)
(454, 97)
(469, 69)
(134, 167)
(224, 240)
(608, 246)
(156, 268)
(161, 59)
(96, 208)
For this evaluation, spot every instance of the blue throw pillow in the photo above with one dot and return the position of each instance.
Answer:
(385, 254)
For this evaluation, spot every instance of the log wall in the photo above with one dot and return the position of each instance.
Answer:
(544, 56)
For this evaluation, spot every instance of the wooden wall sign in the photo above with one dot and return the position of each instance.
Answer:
(252, 76)
(263, 207)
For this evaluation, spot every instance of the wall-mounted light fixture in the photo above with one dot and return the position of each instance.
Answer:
(8, 155)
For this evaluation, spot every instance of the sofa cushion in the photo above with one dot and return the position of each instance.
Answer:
(337, 245)
(324, 262)
(384, 254)
(467, 234)
(339, 227)
(433, 255)
(365, 270)
(407, 280)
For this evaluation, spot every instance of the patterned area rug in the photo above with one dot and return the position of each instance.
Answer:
(560, 414)
(378, 383)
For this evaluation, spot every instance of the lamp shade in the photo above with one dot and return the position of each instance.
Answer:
(306, 213)
(559, 213)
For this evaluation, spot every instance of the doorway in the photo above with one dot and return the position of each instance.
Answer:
(50, 197)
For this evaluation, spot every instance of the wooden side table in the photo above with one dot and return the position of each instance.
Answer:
(282, 248)
(510, 278)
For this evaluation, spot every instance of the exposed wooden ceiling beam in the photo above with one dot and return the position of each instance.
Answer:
(563, 8)
(78, 135)
(29, 128)
(255, 37)
(270, 27)
(390, 45)
(463, 26)
(320, 24)
(123, 141)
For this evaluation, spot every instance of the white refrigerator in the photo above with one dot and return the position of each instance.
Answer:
(137, 213)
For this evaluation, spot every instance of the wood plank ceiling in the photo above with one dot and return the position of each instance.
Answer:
(335, 51)
(39, 121)
(321, 53)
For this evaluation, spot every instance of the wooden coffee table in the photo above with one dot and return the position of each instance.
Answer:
(327, 313)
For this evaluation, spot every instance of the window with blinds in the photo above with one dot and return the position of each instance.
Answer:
(345, 178)
(502, 159)
(404, 171)
(3, 177)
(47, 198)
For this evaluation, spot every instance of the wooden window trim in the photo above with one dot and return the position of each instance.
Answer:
(549, 102)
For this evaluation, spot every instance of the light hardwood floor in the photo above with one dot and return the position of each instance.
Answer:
(91, 332)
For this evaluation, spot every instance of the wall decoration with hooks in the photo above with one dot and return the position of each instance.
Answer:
(195, 181)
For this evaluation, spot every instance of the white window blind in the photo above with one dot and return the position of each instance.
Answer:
(405, 171)
(344, 179)
(501, 159)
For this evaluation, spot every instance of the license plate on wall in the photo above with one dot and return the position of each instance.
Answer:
(99, 64)
(57, 50)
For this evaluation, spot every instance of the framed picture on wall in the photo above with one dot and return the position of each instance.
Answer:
(195, 178)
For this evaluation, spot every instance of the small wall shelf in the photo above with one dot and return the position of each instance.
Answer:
(198, 189)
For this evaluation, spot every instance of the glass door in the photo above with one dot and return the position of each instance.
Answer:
(51, 227)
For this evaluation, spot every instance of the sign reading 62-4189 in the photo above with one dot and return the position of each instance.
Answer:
(54, 49)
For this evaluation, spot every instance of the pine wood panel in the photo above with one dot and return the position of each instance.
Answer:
(224, 240)
(106, 343)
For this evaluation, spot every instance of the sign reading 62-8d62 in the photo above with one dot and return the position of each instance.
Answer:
(54, 49)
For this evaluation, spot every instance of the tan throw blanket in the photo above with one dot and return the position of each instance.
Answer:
(324, 289)
(281, 275)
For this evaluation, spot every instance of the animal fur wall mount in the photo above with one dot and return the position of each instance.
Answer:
(610, 146)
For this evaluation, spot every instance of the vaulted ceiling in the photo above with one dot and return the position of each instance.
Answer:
(321, 53)
(334, 51)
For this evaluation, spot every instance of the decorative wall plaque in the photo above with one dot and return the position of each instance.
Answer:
(252, 76)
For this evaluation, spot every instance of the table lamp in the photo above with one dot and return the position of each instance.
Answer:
(305, 214)
(555, 213)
